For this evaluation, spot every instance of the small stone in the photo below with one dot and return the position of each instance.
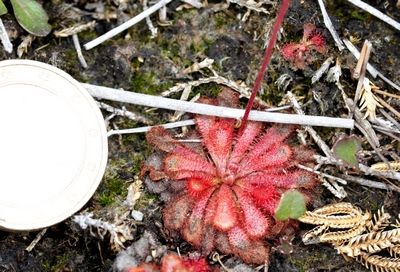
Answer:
(138, 216)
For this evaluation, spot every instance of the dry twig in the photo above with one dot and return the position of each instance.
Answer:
(329, 26)
(161, 102)
(376, 13)
(126, 25)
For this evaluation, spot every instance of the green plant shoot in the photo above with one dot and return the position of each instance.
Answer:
(292, 205)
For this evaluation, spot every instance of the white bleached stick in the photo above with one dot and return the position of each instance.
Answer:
(5, 40)
(145, 129)
(172, 104)
(329, 26)
(126, 25)
(79, 50)
(376, 13)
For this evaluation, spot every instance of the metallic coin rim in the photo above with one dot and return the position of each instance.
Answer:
(83, 186)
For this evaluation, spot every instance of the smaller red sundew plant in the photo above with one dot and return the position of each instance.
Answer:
(174, 263)
(299, 53)
(224, 191)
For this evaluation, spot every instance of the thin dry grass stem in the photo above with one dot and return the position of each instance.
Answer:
(370, 140)
(386, 93)
(375, 13)
(241, 88)
(387, 132)
(125, 113)
(253, 5)
(374, 73)
(322, 145)
(357, 71)
(145, 129)
(391, 183)
(215, 257)
(38, 237)
(78, 49)
(75, 29)
(5, 39)
(321, 70)
(386, 105)
(362, 64)
(153, 30)
(372, 70)
(342, 181)
(331, 185)
(329, 26)
(370, 183)
(364, 126)
(390, 118)
(126, 25)
(369, 171)
(363, 168)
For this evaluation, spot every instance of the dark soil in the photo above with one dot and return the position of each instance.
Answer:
(135, 62)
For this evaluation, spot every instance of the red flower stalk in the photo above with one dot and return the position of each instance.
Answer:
(228, 188)
(299, 53)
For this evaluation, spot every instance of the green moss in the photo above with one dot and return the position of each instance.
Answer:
(345, 15)
(358, 16)
(87, 36)
(113, 189)
(305, 262)
(170, 49)
(137, 160)
(115, 186)
(105, 200)
(196, 47)
(56, 261)
(214, 90)
(46, 264)
(142, 83)
(220, 21)
(149, 196)
(145, 199)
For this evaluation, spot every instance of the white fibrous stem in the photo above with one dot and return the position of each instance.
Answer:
(119, 232)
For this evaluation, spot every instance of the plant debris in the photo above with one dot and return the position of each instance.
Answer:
(369, 240)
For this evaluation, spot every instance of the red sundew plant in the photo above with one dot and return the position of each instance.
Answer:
(174, 263)
(299, 53)
(226, 189)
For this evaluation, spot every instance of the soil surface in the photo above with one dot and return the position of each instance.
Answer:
(235, 39)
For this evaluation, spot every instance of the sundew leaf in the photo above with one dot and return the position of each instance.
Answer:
(31, 16)
(3, 9)
(292, 205)
(346, 148)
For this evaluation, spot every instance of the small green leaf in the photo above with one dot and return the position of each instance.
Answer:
(345, 149)
(3, 9)
(292, 205)
(31, 16)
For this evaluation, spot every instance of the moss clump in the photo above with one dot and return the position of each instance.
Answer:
(113, 189)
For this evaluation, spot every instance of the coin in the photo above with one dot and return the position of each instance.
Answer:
(53, 145)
